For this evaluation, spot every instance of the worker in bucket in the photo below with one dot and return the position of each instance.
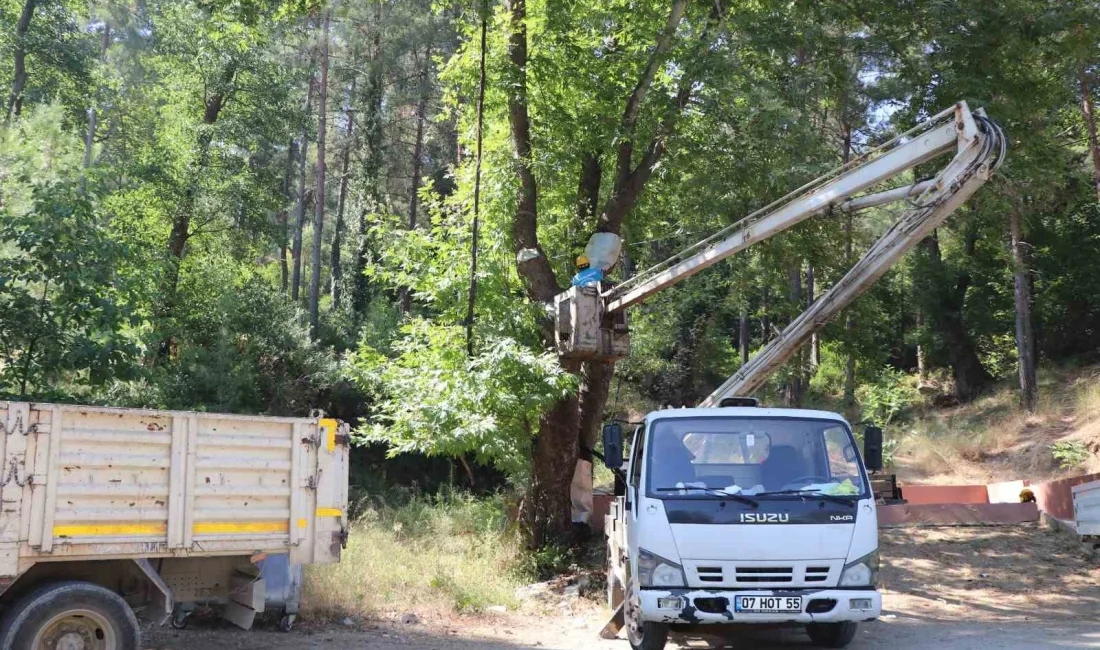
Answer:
(587, 275)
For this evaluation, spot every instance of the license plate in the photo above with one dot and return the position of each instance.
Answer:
(768, 604)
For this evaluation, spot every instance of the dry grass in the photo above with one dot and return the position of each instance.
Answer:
(430, 556)
(993, 439)
(989, 573)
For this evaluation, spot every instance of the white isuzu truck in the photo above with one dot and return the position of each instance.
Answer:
(743, 515)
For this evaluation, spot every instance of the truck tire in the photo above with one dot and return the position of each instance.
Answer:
(70, 615)
(642, 635)
(832, 635)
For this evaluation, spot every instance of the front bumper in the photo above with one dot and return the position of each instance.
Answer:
(706, 606)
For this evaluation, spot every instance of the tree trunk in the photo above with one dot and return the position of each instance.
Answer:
(372, 165)
(418, 159)
(284, 223)
(922, 361)
(546, 510)
(338, 234)
(1025, 349)
(815, 340)
(19, 80)
(296, 251)
(849, 321)
(319, 214)
(971, 377)
(743, 334)
(794, 380)
(471, 297)
(89, 136)
(1090, 124)
(185, 211)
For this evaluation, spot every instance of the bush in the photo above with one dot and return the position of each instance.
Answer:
(1070, 454)
(888, 396)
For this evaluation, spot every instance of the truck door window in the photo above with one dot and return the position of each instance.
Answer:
(841, 454)
(637, 448)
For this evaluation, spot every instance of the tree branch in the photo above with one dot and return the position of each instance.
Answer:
(531, 261)
(634, 103)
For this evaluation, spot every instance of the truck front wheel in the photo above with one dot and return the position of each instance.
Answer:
(70, 615)
(643, 635)
(832, 635)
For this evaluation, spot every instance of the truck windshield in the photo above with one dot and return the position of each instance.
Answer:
(704, 457)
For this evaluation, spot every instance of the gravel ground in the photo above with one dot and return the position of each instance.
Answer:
(1019, 588)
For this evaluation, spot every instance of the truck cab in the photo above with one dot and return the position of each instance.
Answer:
(743, 515)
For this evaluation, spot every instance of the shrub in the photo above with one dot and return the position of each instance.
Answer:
(1070, 454)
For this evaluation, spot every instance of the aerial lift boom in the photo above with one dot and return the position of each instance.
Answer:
(591, 322)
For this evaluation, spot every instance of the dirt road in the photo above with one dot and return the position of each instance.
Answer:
(1018, 588)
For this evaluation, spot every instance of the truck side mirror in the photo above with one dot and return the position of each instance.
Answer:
(613, 445)
(872, 447)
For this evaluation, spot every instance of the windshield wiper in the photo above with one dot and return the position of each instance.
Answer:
(810, 493)
(715, 491)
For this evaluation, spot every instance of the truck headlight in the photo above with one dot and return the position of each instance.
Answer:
(861, 573)
(656, 571)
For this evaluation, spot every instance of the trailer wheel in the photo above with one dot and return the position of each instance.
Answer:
(832, 635)
(70, 616)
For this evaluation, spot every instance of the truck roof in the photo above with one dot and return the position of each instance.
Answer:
(744, 411)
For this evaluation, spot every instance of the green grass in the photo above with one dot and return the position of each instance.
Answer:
(431, 555)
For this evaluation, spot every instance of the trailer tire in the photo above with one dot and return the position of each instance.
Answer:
(84, 612)
(832, 635)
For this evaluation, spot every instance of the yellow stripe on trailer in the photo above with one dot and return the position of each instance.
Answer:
(204, 528)
(330, 434)
(230, 527)
(107, 530)
(329, 512)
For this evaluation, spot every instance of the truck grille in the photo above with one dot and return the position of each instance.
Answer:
(764, 574)
(717, 574)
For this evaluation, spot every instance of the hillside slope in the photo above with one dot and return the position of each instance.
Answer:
(993, 439)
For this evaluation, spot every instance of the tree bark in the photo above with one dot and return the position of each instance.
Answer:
(19, 80)
(849, 321)
(418, 159)
(319, 214)
(588, 187)
(546, 509)
(471, 298)
(971, 377)
(794, 380)
(296, 251)
(185, 211)
(1090, 124)
(815, 340)
(372, 165)
(922, 361)
(284, 222)
(338, 229)
(1025, 348)
(743, 333)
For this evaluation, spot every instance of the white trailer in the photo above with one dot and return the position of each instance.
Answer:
(106, 511)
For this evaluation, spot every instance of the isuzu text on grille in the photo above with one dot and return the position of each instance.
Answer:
(765, 517)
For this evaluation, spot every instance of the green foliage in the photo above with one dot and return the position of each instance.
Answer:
(887, 397)
(1070, 454)
(63, 311)
(435, 400)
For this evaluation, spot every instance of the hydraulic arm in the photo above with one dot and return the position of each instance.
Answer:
(591, 322)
